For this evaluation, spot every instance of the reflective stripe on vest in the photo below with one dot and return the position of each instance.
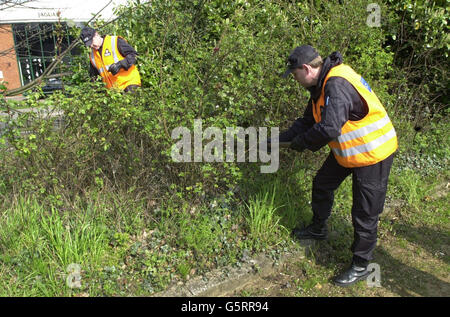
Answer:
(364, 130)
(363, 148)
(101, 69)
(113, 48)
(366, 141)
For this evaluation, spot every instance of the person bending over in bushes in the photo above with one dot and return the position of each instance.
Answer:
(113, 59)
(343, 112)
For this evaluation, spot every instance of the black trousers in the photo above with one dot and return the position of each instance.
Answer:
(369, 193)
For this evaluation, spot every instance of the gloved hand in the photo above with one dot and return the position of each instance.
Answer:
(115, 68)
(298, 144)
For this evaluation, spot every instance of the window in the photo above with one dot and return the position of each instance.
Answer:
(36, 47)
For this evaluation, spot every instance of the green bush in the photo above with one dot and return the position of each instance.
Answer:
(219, 61)
(417, 34)
(214, 60)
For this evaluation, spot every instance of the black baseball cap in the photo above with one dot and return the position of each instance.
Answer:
(87, 34)
(300, 55)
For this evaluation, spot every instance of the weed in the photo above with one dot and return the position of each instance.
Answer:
(38, 245)
(184, 268)
(262, 220)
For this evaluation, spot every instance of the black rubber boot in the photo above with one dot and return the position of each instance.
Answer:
(352, 275)
(313, 231)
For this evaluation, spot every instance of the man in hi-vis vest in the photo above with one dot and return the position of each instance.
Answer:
(113, 59)
(343, 112)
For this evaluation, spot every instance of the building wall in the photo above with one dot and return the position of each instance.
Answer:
(8, 60)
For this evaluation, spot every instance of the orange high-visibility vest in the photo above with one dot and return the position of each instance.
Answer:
(109, 55)
(366, 141)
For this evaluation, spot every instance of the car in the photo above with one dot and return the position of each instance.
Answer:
(52, 85)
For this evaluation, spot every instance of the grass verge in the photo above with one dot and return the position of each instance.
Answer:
(111, 243)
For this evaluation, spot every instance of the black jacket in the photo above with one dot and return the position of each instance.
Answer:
(125, 49)
(344, 104)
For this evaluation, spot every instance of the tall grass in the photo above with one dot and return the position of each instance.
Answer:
(262, 219)
(37, 244)
(412, 187)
